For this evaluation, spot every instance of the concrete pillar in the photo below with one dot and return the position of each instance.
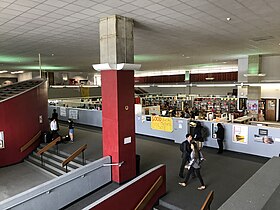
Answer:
(118, 118)
(116, 40)
(252, 75)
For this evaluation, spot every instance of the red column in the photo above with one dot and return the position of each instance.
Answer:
(118, 122)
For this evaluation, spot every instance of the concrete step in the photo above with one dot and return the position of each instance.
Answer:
(49, 170)
(64, 155)
(59, 159)
(159, 207)
(50, 160)
(168, 206)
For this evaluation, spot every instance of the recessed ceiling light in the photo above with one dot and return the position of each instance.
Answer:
(188, 57)
(52, 54)
(228, 19)
(224, 62)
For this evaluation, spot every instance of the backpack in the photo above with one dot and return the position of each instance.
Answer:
(204, 132)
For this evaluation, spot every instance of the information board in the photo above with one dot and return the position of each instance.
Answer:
(162, 123)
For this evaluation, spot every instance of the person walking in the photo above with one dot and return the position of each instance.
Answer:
(54, 128)
(55, 116)
(220, 137)
(186, 151)
(194, 166)
(71, 129)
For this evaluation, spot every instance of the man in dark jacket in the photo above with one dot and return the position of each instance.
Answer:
(220, 137)
(185, 148)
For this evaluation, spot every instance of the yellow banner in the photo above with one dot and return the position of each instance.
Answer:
(162, 123)
(84, 91)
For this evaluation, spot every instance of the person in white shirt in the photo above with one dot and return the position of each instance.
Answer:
(54, 128)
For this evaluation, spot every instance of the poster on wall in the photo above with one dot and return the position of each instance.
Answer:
(214, 130)
(252, 106)
(240, 134)
(162, 123)
(263, 137)
(1, 139)
(62, 111)
(73, 114)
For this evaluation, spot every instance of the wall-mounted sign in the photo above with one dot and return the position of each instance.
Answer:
(73, 114)
(2, 140)
(40, 119)
(62, 111)
(214, 130)
(162, 123)
(240, 134)
(263, 132)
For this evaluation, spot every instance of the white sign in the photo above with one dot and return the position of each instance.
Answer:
(127, 140)
(40, 119)
(1, 139)
(63, 111)
(73, 114)
(240, 134)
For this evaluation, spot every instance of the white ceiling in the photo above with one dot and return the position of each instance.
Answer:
(174, 33)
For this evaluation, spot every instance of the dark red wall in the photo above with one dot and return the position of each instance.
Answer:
(129, 197)
(19, 119)
(218, 77)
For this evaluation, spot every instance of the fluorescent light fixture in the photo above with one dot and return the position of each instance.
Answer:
(209, 78)
(254, 75)
(202, 70)
(142, 86)
(121, 66)
(171, 85)
(216, 85)
(16, 72)
(89, 86)
(57, 86)
(3, 71)
(71, 86)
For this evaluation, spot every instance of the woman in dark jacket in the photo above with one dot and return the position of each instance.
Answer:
(220, 137)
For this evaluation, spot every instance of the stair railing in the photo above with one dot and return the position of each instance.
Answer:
(74, 155)
(149, 195)
(30, 142)
(48, 146)
(208, 201)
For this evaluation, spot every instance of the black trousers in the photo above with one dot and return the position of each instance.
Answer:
(182, 167)
(221, 146)
(197, 171)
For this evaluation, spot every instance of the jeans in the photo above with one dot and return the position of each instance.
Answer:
(197, 171)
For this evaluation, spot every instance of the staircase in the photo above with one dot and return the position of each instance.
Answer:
(165, 206)
(52, 161)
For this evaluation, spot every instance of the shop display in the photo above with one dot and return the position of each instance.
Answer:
(216, 104)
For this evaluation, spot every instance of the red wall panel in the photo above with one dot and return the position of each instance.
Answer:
(20, 122)
(129, 197)
(118, 123)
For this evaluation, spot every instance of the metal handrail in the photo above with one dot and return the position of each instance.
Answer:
(74, 155)
(30, 142)
(148, 196)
